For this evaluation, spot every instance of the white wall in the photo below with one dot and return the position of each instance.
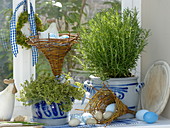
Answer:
(156, 16)
(131, 4)
(22, 68)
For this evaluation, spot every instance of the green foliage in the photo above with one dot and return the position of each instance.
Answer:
(43, 65)
(69, 15)
(111, 43)
(6, 65)
(22, 19)
(114, 3)
(49, 89)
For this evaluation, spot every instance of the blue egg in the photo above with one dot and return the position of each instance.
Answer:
(111, 108)
(150, 117)
(85, 116)
(140, 114)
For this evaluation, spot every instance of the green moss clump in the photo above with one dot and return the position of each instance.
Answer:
(22, 19)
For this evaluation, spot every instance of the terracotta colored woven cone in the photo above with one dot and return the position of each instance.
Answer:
(54, 50)
(55, 56)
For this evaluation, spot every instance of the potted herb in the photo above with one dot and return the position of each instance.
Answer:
(51, 98)
(111, 43)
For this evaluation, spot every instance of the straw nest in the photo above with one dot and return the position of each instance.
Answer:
(54, 49)
(101, 100)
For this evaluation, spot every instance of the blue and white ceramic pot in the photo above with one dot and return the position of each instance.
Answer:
(126, 89)
(49, 114)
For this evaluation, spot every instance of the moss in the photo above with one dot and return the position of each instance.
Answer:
(22, 19)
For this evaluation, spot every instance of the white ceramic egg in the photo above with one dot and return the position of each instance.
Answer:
(91, 121)
(98, 115)
(107, 115)
(85, 116)
(74, 122)
(140, 114)
(111, 108)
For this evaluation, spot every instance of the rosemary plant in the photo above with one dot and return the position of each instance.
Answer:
(111, 43)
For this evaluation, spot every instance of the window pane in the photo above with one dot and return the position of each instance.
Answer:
(69, 15)
(6, 64)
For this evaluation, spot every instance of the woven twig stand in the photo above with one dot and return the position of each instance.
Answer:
(101, 100)
(54, 49)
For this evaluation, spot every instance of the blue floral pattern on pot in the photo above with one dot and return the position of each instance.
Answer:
(49, 114)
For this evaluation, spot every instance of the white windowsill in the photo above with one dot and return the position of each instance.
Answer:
(161, 123)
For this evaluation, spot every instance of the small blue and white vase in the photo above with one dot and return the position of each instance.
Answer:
(49, 114)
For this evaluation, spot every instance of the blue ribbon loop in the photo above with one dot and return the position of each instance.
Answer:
(13, 33)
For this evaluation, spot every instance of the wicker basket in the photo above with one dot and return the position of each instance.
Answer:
(54, 49)
(101, 100)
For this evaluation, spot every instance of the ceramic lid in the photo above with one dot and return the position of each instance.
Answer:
(155, 94)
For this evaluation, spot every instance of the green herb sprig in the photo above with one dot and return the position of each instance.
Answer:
(49, 89)
(111, 43)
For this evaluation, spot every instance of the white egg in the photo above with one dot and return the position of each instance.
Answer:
(74, 122)
(85, 116)
(91, 121)
(107, 115)
(111, 107)
(98, 115)
(140, 114)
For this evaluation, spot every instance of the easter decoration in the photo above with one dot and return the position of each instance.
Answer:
(111, 44)
(150, 117)
(140, 114)
(50, 98)
(54, 48)
(85, 116)
(55, 95)
(22, 19)
(74, 122)
(104, 107)
(146, 116)
(7, 99)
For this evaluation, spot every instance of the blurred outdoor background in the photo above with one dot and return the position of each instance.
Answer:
(68, 15)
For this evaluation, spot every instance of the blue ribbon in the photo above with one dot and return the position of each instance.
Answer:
(33, 31)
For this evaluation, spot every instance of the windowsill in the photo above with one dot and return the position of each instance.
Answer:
(161, 123)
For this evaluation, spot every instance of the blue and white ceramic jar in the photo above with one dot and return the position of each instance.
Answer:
(126, 89)
(49, 114)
